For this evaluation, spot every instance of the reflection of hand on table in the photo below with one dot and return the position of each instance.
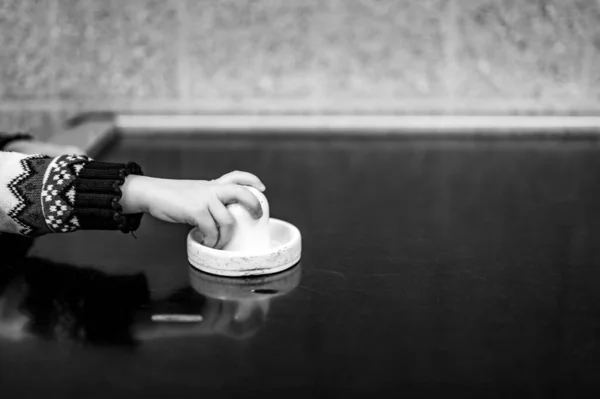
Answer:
(234, 307)
(236, 319)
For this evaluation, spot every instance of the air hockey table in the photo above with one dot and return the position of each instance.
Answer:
(431, 265)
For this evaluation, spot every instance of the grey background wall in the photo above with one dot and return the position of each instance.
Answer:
(58, 57)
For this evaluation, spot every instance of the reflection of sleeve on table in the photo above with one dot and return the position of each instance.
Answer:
(82, 304)
(14, 248)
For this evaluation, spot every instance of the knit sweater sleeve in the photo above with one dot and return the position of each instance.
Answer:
(40, 195)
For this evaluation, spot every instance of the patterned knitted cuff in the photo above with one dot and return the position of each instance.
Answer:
(7, 139)
(98, 192)
(79, 193)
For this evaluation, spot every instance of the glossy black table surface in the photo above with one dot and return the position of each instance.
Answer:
(430, 266)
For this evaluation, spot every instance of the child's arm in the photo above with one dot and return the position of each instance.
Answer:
(40, 195)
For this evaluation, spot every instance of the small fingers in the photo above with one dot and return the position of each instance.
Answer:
(205, 222)
(231, 194)
(244, 178)
(225, 223)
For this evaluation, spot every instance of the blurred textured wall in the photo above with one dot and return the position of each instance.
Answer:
(450, 56)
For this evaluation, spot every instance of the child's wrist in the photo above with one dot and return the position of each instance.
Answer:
(134, 197)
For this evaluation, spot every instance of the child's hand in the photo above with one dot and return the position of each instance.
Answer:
(195, 202)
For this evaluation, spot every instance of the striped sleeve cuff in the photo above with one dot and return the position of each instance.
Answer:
(40, 195)
(78, 193)
(97, 196)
